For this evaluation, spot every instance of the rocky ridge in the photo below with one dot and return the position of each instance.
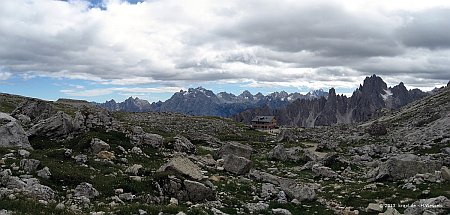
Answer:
(368, 101)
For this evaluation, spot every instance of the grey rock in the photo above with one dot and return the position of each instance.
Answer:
(182, 144)
(278, 153)
(23, 153)
(268, 190)
(98, 145)
(197, 191)
(377, 129)
(373, 207)
(38, 191)
(237, 165)
(139, 137)
(35, 110)
(81, 159)
(182, 166)
(281, 198)
(234, 148)
(296, 191)
(5, 212)
(127, 196)
(29, 165)
(323, 171)
(12, 133)
(425, 206)
(281, 211)
(59, 125)
(136, 150)
(445, 173)
(255, 207)
(44, 173)
(86, 190)
(134, 169)
(405, 166)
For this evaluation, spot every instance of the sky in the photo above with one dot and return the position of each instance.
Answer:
(111, 49)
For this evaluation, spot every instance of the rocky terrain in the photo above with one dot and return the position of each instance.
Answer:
(368, 101)
(73, 158)
(202, 102)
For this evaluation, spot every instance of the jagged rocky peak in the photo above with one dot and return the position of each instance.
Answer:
(373, 84)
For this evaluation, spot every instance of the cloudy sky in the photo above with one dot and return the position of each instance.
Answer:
(98, 50)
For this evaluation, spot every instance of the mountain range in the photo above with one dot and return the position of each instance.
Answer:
(316, 108)
(202, 102)
(368, 101)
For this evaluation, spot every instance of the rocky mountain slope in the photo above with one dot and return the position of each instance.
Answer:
(367, 101)
(203, 102)
(61, 158)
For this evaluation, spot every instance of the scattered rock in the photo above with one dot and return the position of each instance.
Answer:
(197, 191)
(323, 171)
(23, 153)
(59, 125)
(134, 169)
(377, 129)
(139, 137)
(86, 190)
(11, 133)
(182, 166)
(29, 165)
(182, 144)
(237, 165)
(235, 148)
(255, 207)
(438, 205)
(81, 159)
(373, 207)
(281, 211)
(35, 110)
(405, 166)
(278, 153)
(98, 145)
(44, 173)
(445, 173)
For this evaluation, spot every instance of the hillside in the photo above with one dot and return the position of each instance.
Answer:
(70, 158)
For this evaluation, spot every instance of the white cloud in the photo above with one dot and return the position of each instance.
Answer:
(5, 76)
(121, 90)
(171, 42)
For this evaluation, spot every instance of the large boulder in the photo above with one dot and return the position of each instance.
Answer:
(439, 206)
(35, 109)
(237, 165)
(278, 153)
(28, 186)
(86, 190)
(377, 129)
(58, 126)
(139, 137)
(235, 148)
(182, 144)
(11, 133)
(404, 166)
(98, 145)
(296, 191)
(198, 192)
(183, 166)
(29, 165)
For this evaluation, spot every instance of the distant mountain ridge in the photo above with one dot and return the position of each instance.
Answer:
(366, 102)
(202, 102)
